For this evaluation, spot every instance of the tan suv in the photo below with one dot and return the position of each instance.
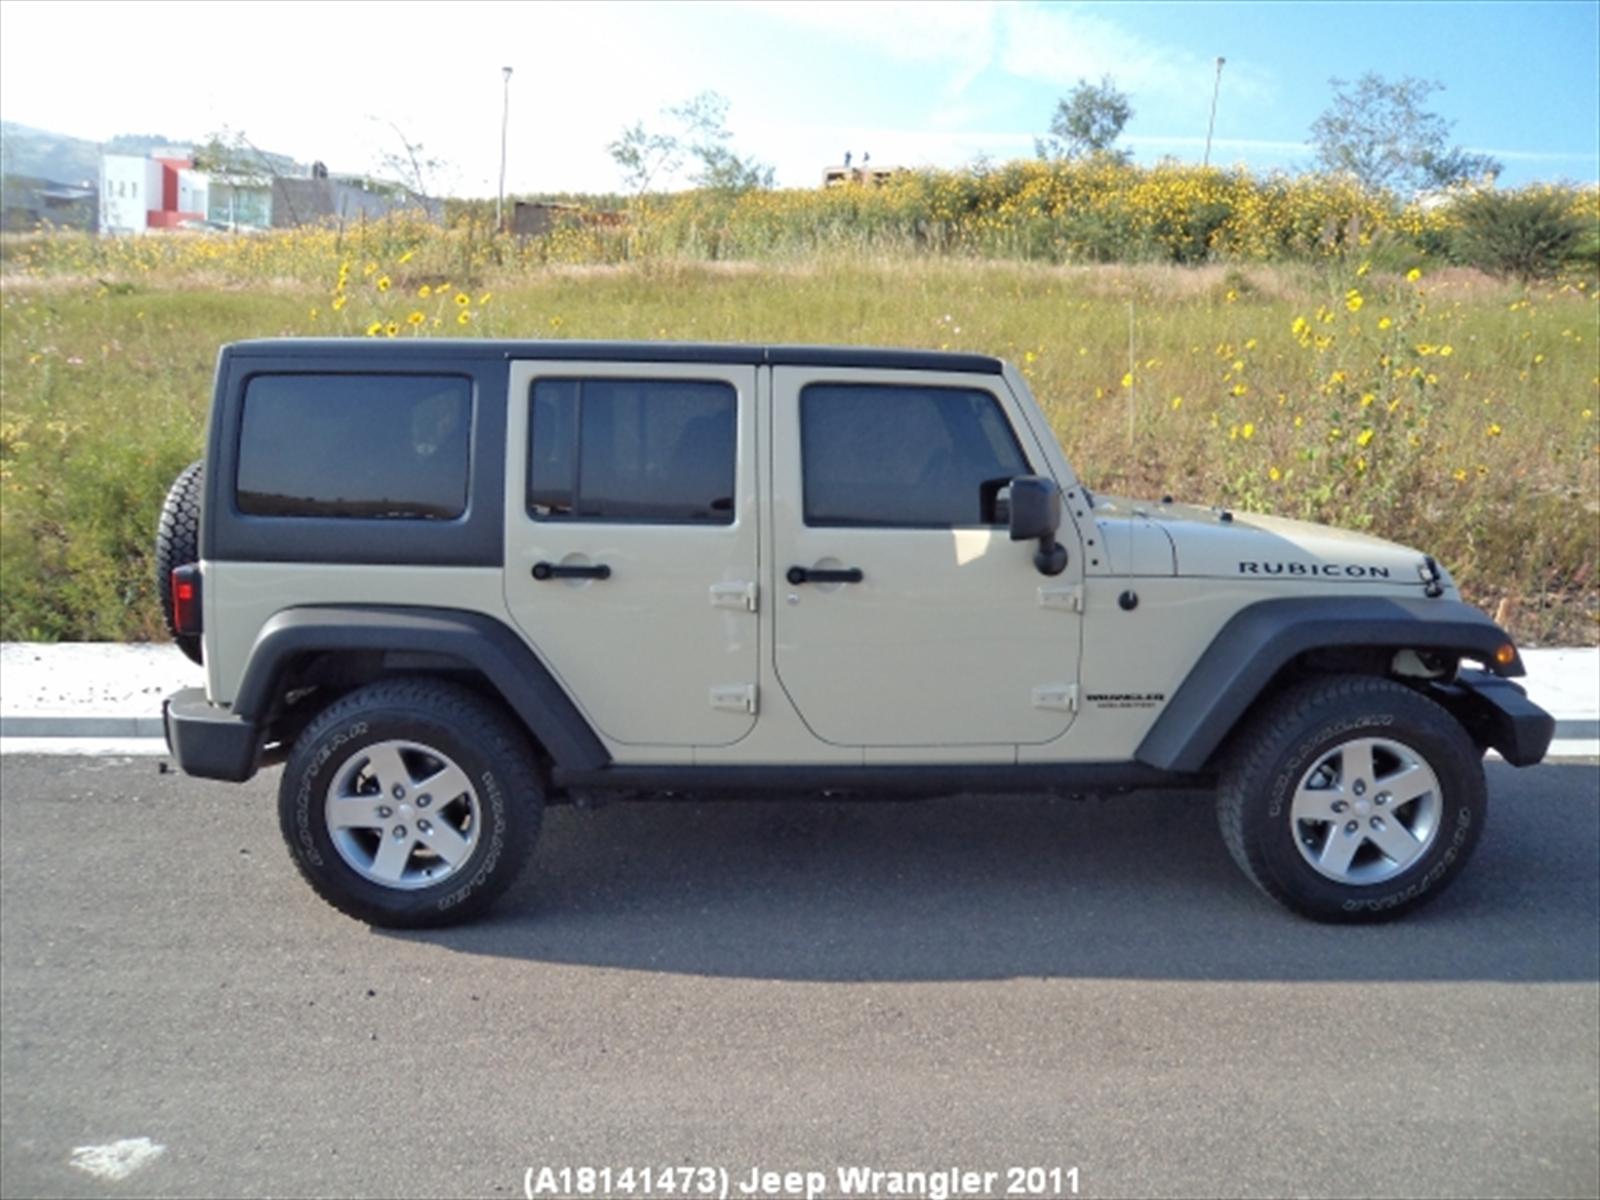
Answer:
(450, 582)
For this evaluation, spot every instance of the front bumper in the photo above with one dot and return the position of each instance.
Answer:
(208, 740)
(1498, 714)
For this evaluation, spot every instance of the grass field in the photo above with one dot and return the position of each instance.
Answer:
(1445, 410)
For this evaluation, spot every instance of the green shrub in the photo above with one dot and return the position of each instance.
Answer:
(1528, 235)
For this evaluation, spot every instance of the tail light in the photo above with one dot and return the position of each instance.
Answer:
(186, 600)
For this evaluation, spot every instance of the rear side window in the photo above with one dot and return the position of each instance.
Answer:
(904, 456)
(393, 446)
(632, 450)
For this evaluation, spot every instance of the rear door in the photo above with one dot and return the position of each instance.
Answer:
(909, 618)
(631, 542)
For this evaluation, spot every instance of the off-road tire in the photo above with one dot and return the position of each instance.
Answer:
(178, 545)
(1272, 753)
(457, 724)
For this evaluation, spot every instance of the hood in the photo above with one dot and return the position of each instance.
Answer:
(1215, 543)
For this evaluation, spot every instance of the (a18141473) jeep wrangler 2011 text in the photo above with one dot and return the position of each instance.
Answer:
(447, 583)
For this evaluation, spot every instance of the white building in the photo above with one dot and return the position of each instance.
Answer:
(143, 192)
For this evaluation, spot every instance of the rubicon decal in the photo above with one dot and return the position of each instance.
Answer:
(1337, 570)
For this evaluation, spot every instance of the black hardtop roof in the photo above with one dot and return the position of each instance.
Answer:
(394, 349)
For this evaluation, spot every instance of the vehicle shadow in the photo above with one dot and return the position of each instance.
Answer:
(982, 888)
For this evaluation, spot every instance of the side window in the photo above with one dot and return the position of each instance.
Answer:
(632, 450)
(355, 446)
(909, 456)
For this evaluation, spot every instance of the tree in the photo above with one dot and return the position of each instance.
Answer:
(1086, 123)
(1528, 234)
(412, 166)
(1380, 132)
(702, 135)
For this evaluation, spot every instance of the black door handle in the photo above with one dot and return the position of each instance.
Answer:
(799, 575)
(544, 570)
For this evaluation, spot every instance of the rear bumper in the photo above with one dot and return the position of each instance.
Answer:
(1499, 714)
(208, 740)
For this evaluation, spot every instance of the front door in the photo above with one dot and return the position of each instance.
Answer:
(631, 536)
(907, 616)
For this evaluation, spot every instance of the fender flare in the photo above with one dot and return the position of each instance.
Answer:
(476, 639)
(1260, 640)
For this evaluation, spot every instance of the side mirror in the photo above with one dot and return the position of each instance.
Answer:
(1036, 513)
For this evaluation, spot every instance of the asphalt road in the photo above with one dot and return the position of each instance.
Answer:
(964, 983)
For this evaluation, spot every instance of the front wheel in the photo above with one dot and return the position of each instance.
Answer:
(410, 803)
(1352, 799)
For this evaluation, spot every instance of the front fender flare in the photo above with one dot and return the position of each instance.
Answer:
(1259, 641)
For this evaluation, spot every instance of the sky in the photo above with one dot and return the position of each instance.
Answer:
(911, 84)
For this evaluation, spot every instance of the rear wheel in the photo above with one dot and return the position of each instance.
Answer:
(411, 803)
(1352, 799)
(178, 545)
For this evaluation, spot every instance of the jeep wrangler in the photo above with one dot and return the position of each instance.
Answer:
(449, 582)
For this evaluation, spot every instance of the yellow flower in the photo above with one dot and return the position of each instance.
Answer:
(1361, 466)
(1353, 301)
(1249, 431)
(375, 329)
(1446, 351)
(1239, 389)
(1366, 399)
(463, 299)
(1363, 268)
(1414, 274)
(1426, 348)
(1177, 403)
(424, 291)
(391, 329)
(1384, 322)
(416, 318)
(1537, 359)
(1364, 437)
(484, 299)
(1299, 421)
(406, 257)
(1127, 380)
(383, 283)
(463, 317)
(1274, 474)
(1250, 345)
(1300, 325)
(1459, 474)
(1493, 430)
(339, 302)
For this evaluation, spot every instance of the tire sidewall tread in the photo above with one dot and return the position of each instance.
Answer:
(456, 721)
(1274, 751)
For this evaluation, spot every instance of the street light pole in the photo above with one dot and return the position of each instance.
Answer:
(505, 113)
(1212, 124)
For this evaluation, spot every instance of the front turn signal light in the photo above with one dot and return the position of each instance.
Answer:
(1505, 655)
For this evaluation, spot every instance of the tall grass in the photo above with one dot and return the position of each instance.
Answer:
(1447, 411)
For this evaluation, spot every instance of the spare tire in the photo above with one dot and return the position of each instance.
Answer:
(178, 545)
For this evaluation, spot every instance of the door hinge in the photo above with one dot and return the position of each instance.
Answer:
(1066, 599)
(734, 595)
(1061, 697)
(734, 697)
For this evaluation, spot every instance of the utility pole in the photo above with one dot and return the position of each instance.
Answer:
(1215, 88)
(505, 114)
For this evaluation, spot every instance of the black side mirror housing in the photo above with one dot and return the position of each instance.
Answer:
(1036, 513)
